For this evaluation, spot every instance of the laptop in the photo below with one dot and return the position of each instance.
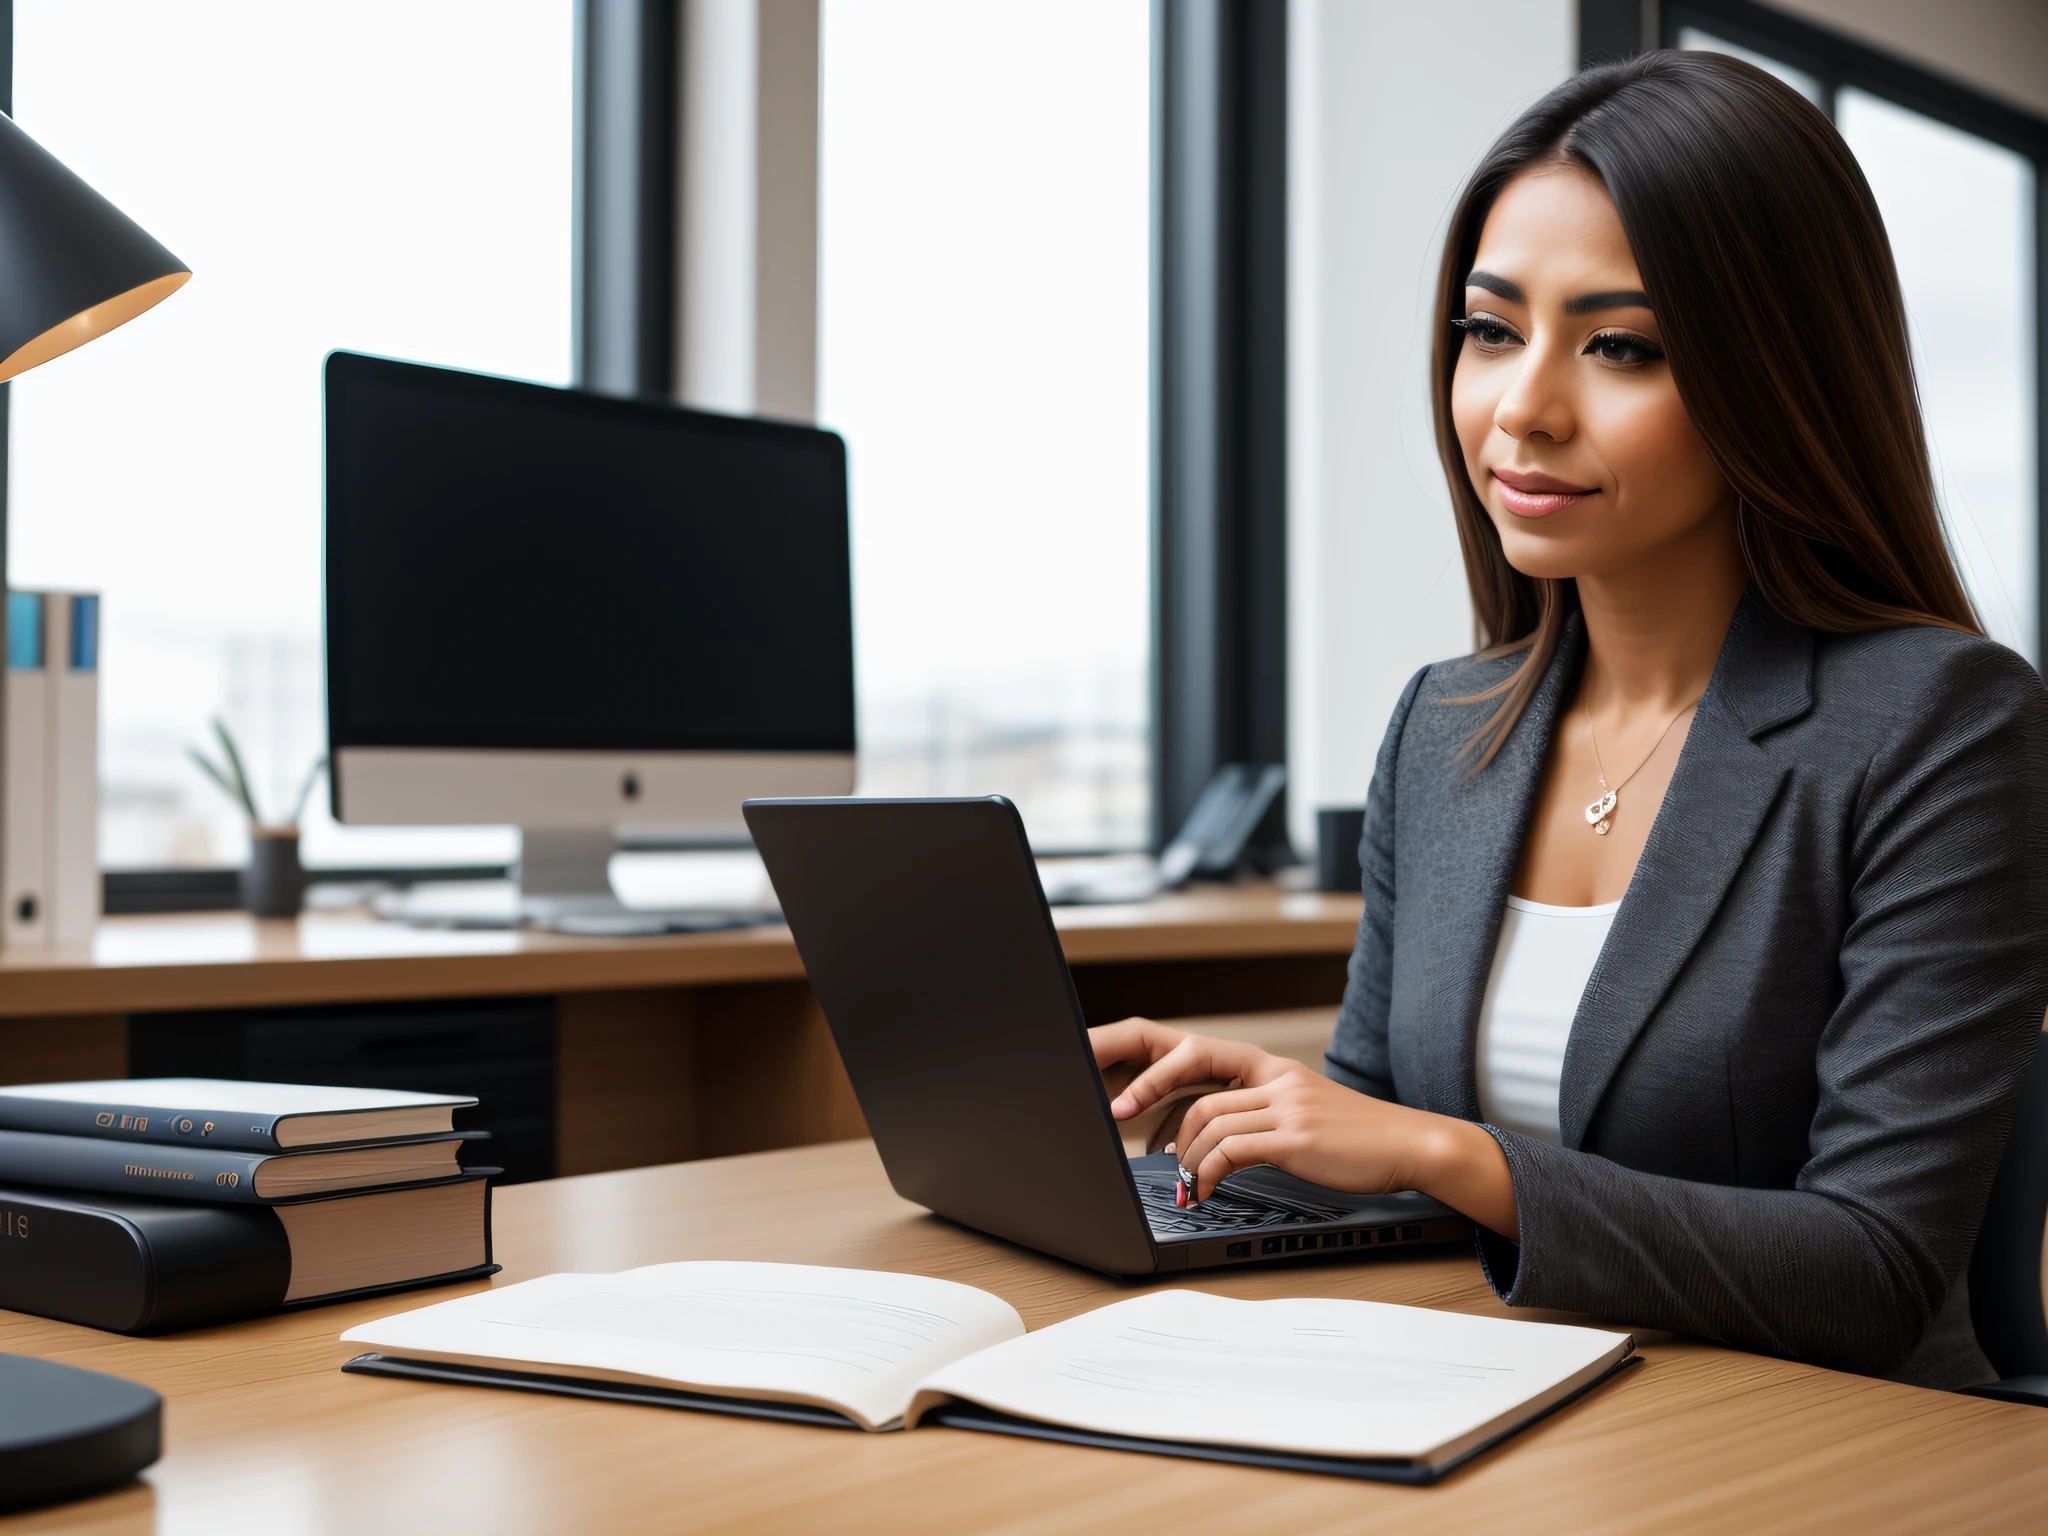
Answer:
(932, 951)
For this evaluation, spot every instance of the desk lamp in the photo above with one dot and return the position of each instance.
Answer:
(72, 267)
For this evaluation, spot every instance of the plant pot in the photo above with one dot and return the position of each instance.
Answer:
(273, 884)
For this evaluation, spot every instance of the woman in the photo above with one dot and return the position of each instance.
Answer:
(1706, 911)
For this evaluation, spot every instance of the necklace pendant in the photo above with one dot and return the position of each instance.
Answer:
(1598, 814)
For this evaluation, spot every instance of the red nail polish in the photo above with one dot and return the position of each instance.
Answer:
(1180, 1193)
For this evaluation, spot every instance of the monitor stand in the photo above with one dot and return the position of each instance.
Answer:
(564, 885)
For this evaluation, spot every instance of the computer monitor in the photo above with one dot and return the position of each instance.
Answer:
(577, 614)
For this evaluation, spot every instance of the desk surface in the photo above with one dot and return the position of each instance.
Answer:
(137, 964)
(265, 1434)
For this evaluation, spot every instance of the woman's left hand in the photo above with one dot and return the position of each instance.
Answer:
(1285, 1115)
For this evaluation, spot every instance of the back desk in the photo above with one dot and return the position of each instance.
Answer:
(667, 1049)
(264, 1434)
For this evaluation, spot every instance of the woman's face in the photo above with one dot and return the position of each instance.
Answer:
(1571, 426)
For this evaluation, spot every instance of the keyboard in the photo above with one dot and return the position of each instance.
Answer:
(1227, 1210)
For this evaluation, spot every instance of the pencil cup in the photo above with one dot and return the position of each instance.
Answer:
(1338, 833)
(273, 884)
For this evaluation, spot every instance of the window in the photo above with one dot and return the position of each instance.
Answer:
(983, 344)
(1960, 212)
(1960, 208)
(390, 176)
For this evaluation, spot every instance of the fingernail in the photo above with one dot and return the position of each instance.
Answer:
(1171, 1149)
(1122, 1107)
(1186, 1194)
(1180, 1194)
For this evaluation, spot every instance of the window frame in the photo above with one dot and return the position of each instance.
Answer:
(1614, 29)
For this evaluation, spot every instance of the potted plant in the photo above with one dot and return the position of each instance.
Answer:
(273, 882)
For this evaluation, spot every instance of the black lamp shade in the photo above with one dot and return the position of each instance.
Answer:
(72, 265)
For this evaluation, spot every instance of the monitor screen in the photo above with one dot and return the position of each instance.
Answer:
(514, 566)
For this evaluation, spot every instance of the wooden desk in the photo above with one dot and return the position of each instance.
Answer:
(263, 1433)
(668, 1048)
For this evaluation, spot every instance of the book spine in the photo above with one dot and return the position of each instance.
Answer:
(74, 771)
(24, 857)
(157, 1172)
(241, 1132)
(141, 1271)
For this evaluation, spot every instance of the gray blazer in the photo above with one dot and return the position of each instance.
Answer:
(1792, 1072)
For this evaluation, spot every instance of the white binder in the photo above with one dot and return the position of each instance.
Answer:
(24, 855)
(72, 788)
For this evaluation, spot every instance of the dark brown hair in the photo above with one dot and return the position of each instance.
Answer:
(1763, 254)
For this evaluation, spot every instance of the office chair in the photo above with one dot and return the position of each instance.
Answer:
(2009, 1271)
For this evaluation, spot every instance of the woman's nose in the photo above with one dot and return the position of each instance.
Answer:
(1537, 402)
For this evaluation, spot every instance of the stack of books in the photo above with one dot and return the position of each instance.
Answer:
(146, 1204)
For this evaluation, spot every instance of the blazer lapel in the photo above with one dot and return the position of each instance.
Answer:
(1723, 787)
(1473, 856)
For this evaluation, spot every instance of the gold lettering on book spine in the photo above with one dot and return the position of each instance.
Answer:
(137, 1170)
(16, 1224)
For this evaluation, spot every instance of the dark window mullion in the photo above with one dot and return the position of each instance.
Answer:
(1219, 399)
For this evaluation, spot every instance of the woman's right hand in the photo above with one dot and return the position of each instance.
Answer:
(1167, 1059)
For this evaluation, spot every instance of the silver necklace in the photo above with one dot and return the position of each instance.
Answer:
(1600, 814)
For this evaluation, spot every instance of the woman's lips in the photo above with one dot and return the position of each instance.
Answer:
(1533, 495)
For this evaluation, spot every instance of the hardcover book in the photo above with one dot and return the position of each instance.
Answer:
(219, 1174)
(1354, 1388)
(145, 1266)
(222, 1112)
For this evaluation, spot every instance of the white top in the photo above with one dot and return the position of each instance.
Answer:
(1540, 968)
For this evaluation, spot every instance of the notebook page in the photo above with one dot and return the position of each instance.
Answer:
(1338, 1378)
(855, 1340)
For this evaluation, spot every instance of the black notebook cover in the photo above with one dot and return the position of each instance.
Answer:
(955, 1415)
(597, 1391)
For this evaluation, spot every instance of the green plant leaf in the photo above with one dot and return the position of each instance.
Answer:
(215, 772)
(306, 789)
(242, 791)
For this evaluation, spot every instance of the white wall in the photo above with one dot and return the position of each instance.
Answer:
(1391, 103)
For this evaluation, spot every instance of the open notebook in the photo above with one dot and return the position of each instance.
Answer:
(1357, 1388)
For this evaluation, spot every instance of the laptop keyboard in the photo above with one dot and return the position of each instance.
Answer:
(1225, 1211)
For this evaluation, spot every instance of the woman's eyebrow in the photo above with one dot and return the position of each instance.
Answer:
(1620, 298)
(1499, 286)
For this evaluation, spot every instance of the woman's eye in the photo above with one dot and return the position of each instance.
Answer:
(1622, 347)
(1488, 331)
